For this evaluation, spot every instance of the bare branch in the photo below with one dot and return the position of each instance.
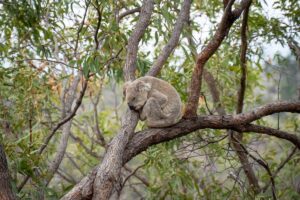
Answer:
(253, 182)
(132, 174)
(172, 43)
(80, 28)
(142, 179)
(66, 178)
(87, 150)
(264, 165)
(48, 60)
(142, 140)
(133, 42)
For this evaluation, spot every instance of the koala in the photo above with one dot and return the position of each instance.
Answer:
(157, 102)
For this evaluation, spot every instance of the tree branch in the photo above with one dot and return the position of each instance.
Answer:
(283, 163)
(128, 12)
(142, 140)
(173, 41)
(108, 174)
(224, 26)
(133, 42)
(66, 119)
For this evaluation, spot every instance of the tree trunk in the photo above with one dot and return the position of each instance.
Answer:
(6, 192)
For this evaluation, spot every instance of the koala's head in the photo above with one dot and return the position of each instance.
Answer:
(136, 94)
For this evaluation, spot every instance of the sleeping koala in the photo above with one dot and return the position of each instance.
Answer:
(156, 100)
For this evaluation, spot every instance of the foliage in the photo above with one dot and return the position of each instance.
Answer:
(45, 44)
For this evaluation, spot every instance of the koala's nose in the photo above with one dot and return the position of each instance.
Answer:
(131, 106)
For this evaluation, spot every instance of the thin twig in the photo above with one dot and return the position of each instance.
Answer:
(282, 164)
(264, 165)
(66, 119)
(128, 12)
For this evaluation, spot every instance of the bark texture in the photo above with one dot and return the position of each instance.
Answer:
(6, 192)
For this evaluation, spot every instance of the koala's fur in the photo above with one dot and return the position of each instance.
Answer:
(156, 100)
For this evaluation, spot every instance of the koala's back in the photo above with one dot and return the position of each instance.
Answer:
(174, 105)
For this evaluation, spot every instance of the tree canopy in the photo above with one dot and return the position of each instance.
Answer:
(66, 133)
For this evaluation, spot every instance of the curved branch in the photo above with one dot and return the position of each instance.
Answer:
(142, 140)
(128, 12)
(172, 43)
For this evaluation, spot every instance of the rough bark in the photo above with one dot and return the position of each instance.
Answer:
(142, 140)
(6, 192)
(228, 18)
(173, 41)
(108, 174)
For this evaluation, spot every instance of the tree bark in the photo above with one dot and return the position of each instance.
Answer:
(108, 174)
(6, 192)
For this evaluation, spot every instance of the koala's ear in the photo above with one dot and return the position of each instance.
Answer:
(144, 87)
(126, 84)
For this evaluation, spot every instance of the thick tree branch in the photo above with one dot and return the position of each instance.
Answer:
(224, 26)
(142, 140)
(133, 42)
(173, 41)
(108, 174)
